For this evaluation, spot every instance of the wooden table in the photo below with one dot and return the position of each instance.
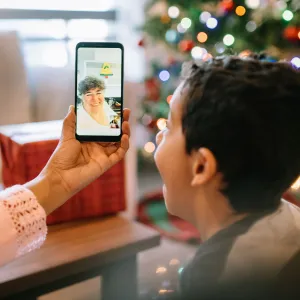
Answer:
(77, 251)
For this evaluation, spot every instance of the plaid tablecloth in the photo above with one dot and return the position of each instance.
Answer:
(26, 148)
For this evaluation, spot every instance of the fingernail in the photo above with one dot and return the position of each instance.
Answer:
(70, 108)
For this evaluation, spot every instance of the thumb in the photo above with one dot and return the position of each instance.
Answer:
(68, 130)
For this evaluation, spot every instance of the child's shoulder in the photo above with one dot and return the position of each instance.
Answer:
(267, 245)
(254, 249)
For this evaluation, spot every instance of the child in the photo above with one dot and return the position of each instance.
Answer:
(230, 150)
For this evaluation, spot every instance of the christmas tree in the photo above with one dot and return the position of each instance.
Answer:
(186, 29)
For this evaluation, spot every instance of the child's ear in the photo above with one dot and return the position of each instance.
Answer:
(204, 167)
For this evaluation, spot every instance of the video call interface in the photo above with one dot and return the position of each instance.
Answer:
(99, 91)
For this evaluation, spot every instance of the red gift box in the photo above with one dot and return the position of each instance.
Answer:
(26, 148)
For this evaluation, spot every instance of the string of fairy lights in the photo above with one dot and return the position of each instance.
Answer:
(211, 23)
(181, 27)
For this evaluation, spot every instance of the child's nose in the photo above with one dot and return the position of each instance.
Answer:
(159, 137)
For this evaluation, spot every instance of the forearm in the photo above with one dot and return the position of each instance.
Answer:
(23, 223)
(49, 191)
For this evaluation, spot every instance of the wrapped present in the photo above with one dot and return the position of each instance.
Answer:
(26, 148)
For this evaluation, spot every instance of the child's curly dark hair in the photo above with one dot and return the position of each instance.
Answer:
(247, 112)
(89, 83)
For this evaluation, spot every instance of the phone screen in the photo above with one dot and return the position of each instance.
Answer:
(99, 89)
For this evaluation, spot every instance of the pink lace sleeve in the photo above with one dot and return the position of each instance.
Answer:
(25, 221)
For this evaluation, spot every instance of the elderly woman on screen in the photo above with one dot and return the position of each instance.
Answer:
(94, 111)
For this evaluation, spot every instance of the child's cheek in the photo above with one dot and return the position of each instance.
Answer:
(158, 153)
(161, 155)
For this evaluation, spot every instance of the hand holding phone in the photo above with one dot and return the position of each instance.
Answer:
(74, 165)
(99, 91)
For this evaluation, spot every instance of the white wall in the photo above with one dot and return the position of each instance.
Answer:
(131, 16)
(15, 94)
(90, 62)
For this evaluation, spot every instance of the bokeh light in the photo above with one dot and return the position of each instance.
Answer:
(173, 12)
(149, 147)
(220, 48)
(146, 119)
(245, 53)
(171, 36)
(186, 45)
(202, 37)
(166, 283)
(165, 19)
(204, 17)
(251, 26)
(212, 23)
(161, 270)
(174, 262)
(253, 4)
(164, 75)
(227, 5)
(296, 184)
(198, 52)
(240, 11)
(169, 98)
(281, 5)
(207, 57)
(180, 29)
(296, 62)
(161, 123)
(165, 291)
(186, 23)
(287, 15)
(228, 40)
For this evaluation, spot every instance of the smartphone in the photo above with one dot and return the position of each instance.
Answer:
(99, 80)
